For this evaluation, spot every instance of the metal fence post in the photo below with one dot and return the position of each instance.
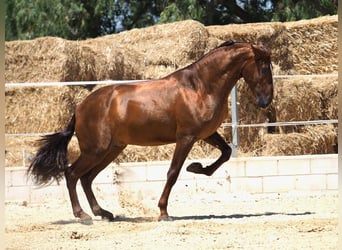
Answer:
(235, 119)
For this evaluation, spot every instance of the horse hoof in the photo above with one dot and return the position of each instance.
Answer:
(108, 218)
(195, 167)
(165, 218)
(86, 221)
(105, 215)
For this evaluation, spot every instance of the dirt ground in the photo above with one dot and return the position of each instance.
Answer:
(203, 221)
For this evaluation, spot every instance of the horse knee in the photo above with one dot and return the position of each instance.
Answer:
(172, 176)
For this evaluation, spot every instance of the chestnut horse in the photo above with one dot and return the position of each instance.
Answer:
(182, 108)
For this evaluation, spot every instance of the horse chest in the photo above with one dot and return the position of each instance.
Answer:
(203, 117)
(208, 127)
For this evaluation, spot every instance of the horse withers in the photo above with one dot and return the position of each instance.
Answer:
(182, 108)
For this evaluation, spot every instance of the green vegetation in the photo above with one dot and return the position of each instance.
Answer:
(80, 19)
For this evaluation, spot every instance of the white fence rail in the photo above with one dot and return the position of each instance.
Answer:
(108, 82)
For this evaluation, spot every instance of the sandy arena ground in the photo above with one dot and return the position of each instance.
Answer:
(203, 221)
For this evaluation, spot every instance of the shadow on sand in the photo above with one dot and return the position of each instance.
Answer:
(179, 218)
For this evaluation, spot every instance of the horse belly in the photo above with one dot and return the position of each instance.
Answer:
(139, 124)
(149, 134)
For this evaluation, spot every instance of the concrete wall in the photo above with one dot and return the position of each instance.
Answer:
(243, 174)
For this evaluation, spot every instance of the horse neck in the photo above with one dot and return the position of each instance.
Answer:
(220, 70)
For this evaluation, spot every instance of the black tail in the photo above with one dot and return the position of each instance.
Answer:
(50, 162)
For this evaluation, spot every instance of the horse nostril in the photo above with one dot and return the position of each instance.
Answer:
(263, 102)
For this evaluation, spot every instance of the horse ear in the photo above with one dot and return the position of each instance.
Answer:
(260, 51)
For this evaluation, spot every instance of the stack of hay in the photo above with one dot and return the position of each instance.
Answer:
(305, 47)
(166, 47)
(304, 100)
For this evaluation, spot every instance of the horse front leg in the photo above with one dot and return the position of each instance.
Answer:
(183, 147)
(218, 142)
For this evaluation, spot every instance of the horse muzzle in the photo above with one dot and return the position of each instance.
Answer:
(264, 101)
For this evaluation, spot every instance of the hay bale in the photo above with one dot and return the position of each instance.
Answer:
(37, 60)
(305, 99)
(328, 87)
(48, 59)
(301, 47)
(313, 140)
(114, 60)
(54, 59)
(296, 100)
(175, 44)
(313, 45)
(252, 32)
(79, 64)
(40, 109)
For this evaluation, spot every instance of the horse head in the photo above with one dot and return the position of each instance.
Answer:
(257, 73)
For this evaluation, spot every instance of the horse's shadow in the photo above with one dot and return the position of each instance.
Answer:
(236, 216)
(185, 218)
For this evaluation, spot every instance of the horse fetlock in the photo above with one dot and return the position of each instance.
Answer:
(226, 154)
(163, 214)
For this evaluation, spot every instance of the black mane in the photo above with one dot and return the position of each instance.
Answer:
(226, 43)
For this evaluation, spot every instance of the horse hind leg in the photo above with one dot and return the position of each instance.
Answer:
(218, 142)
(83, 165)
(87, 179)
(72, 174)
